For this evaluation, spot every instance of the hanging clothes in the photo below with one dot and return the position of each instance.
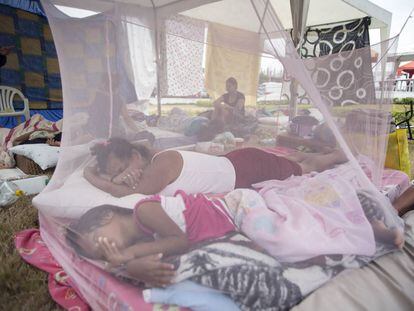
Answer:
(182, 47)
(232, 53)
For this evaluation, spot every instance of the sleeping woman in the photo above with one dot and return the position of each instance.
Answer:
(123, 168)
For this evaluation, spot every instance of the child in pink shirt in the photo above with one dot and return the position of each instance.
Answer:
(289, 228)
(157, 225)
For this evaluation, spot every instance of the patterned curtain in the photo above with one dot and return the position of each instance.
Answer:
(338, 63)
(326, 41)
(182, 47)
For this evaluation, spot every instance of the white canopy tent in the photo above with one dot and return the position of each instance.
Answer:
(239, 14)
(320, 12)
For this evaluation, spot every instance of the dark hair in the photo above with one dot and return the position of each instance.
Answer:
(119, 147)
(232, 81)
(92, 219)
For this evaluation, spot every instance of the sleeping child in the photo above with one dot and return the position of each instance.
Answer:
(170, 225)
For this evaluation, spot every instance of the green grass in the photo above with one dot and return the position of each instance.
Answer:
(22, 287)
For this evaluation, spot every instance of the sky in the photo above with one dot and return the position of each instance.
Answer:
(400, 10)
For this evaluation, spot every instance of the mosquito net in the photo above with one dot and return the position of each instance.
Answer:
(165, 150)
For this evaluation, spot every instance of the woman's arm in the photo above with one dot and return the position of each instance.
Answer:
(165, 168)
(91, 174)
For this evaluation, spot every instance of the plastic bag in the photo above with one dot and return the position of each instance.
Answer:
(9, 193)
(398, 156)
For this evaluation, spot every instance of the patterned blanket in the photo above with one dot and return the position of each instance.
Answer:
(256, 281)
(36, 127)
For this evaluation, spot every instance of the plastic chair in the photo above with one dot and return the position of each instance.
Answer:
(7, 95)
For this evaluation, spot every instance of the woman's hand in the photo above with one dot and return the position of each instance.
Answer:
(151, 270)
(129, 177)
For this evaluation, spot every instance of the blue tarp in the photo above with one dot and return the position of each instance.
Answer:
(45, 91)
(33, 6)
(52, 115)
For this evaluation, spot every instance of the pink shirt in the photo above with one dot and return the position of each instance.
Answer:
(204, 218)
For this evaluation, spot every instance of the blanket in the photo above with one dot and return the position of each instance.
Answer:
(35, 127)
(303, 217)
(256, 281)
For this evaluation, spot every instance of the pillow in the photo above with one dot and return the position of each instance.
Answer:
(190, 295)
(42, 154)
(62, 202)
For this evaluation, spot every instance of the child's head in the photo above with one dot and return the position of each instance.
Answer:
(101, 221)
(116, 154)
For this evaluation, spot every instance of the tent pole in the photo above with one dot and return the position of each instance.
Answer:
(157, 58)
(299, 11)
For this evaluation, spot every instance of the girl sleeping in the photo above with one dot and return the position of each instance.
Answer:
(163, 226)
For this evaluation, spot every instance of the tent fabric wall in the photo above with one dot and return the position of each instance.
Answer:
(231, 53)
(32, 66)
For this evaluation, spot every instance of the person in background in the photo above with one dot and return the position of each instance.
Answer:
(228, 113)
(229, 107)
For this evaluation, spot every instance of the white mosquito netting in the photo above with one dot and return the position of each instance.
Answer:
(135, 79)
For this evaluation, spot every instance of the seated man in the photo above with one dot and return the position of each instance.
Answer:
(229, 108)
(228, 112)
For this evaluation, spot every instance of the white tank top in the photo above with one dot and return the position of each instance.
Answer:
(202, 173)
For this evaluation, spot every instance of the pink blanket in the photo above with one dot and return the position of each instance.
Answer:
(304, 217)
